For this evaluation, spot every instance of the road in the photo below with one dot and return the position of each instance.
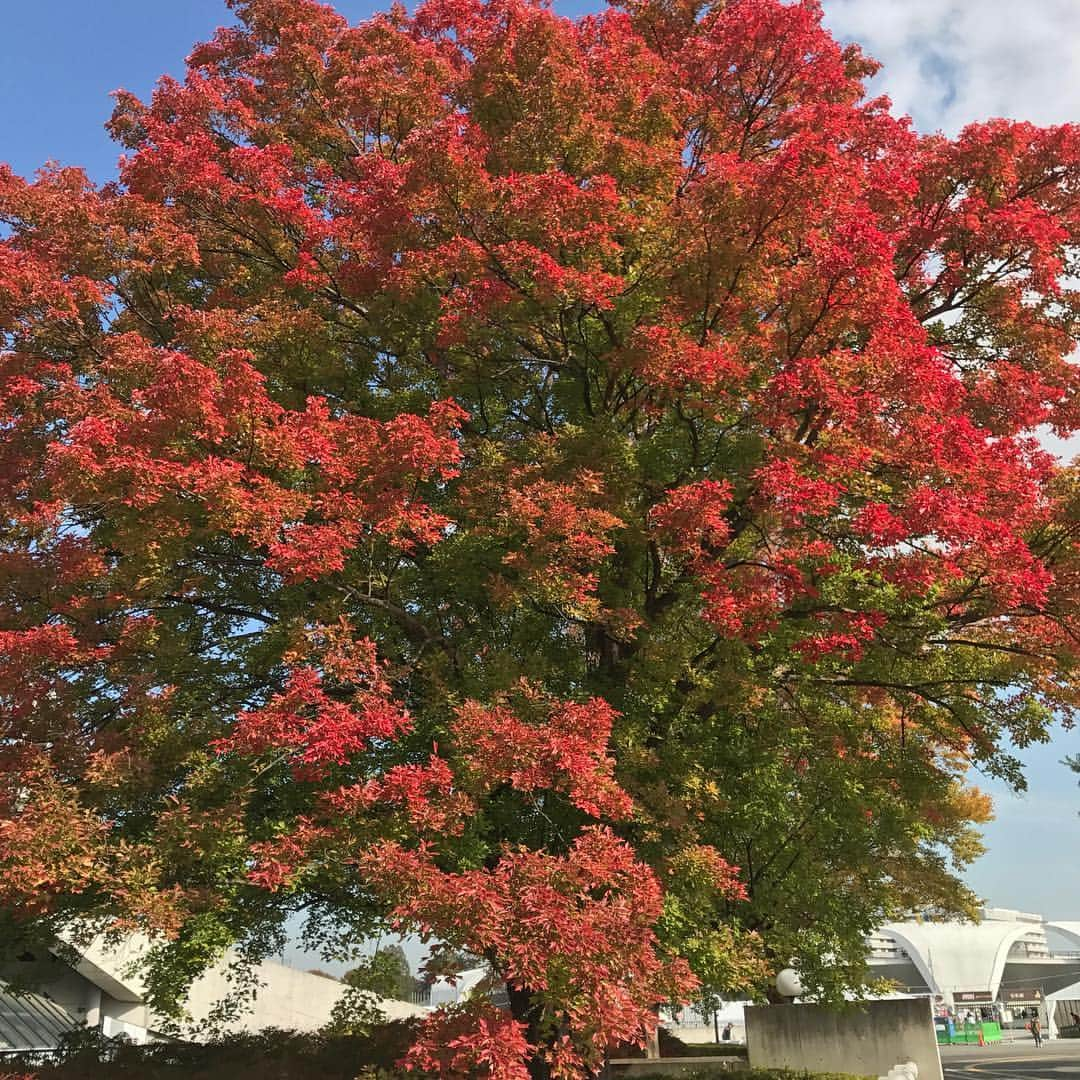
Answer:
(1013, 1061)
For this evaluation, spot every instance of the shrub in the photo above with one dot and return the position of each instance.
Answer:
(758, 1074)
(290, 1055)
(266, 1055)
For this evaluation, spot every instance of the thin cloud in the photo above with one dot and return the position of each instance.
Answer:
(948, 64)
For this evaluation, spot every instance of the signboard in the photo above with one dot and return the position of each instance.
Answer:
(1022, 997)
(972, 997)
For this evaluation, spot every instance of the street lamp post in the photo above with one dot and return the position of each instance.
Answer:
(788, 983)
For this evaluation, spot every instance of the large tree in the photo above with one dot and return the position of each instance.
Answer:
(495, 474)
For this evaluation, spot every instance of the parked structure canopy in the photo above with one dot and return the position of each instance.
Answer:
(31, 1022)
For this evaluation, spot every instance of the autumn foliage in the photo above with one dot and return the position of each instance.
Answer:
(494, 475)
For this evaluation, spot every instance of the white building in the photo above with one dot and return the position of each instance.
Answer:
(445, 991)
(98, 987)
(1004, 964)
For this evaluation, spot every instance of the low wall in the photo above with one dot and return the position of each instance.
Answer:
(866, 1039)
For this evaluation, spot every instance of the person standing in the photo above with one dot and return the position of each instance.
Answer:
(727, 1032)
(1036, 1030)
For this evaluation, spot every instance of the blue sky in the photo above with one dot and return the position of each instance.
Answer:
(948, 62)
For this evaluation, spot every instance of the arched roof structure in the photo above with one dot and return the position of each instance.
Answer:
(1071, 930)
(960, 956)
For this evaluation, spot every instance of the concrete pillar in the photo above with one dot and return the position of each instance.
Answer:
(652, 1044)
(92, 1006)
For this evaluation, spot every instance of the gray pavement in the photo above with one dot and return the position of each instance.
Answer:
(1020, 1060)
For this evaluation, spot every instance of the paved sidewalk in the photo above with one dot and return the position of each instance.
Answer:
(1018, 1059)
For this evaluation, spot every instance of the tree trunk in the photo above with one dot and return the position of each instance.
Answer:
(524, 1010)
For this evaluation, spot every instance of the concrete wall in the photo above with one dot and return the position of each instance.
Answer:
(128, 1018)
(865, 1039)
(286, 998)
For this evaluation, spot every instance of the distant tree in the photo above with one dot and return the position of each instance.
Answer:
(386, 973)
(323, 974)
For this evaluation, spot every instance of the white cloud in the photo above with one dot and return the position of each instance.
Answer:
(1065, 449)
(950, 63)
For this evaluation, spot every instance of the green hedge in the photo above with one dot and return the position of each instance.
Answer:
(787, 1074)
(757, 1074)
(269, 1055)
(276, 1055)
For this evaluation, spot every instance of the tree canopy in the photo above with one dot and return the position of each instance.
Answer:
(566, 488)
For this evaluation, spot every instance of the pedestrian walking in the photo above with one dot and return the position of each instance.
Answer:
(1036, 1031)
